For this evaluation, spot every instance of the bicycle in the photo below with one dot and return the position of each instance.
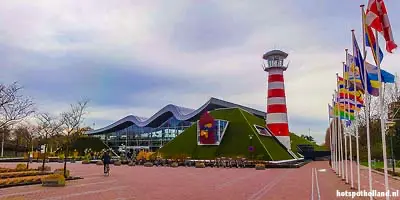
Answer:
(107, 171)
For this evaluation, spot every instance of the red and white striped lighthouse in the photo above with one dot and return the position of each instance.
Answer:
(277, 119)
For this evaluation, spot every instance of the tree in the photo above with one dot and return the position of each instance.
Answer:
(309, 138)
(48, 126)
(72, 121)
(14, 107)
(27, 132)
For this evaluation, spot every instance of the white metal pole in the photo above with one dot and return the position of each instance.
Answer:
(366, 102)
(340, 132)
(356, 130)
(382, 104)
(349, 117)
(330, 137)
(334, 133)
(339, 157)
(345, 134)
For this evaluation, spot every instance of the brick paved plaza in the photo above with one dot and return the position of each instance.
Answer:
(140, 182)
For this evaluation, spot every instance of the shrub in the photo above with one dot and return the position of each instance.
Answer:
(99, 162)
(46, 168)
(21, 167)
(260, 166)
(148, 164)
(61, 171)
(174, 164)
(117, 163)
(53, 180)
(200, 165)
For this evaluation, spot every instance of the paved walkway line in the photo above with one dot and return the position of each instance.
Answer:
(84, 193)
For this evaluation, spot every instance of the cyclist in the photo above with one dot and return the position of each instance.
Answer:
(106, 158)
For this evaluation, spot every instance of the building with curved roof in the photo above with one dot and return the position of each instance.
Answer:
(133, 132)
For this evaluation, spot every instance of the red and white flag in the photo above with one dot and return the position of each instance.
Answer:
(378, 19)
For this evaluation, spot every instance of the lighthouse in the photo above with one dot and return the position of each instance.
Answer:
(277, 119)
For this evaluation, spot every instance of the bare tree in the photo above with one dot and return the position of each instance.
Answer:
(14, 107)
(28, 133)
(48, 126)
(72, 121)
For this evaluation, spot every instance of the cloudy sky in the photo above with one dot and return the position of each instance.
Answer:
(134, 57)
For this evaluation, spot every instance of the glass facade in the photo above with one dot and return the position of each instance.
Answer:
(135, 137)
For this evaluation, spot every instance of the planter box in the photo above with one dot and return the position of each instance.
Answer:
(53, 183)
(46, 168)
(260, 167)
(33, 183)
(200, 165)
(99, 163)
(175, 164)
(148, 164)
(85, 162)
(117, 163)
(131, 164)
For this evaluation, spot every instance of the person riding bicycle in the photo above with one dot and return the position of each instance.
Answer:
(106, 158)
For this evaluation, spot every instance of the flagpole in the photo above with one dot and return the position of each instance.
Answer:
(344, 134)
(381, 100)
(340, 133)
(349, 132)
(339, 157)
(330, 134)
(356, 128)
(366, 109)
(334, 132)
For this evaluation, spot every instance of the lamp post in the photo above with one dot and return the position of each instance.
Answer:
(251, 149)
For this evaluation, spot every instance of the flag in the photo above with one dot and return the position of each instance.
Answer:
(331, 112)
(359, 62)
(348, 123)
(346, 72)
(377, 18)
(341, 83)
(340, 112)
(372, 71)
(354, 75)
(343, 94)
(371, 42)
(349, 104)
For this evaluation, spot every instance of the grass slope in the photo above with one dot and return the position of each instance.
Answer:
(234, 143)
(277, 151)
(296, 140)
